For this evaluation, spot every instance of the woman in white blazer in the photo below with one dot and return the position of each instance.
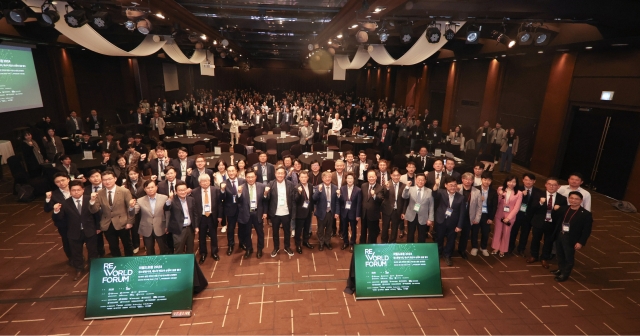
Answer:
(221, 173)
(234, 129)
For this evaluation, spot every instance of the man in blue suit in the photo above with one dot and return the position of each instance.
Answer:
(449, 216)
(327, 208)
(252, 207)
(350, 209)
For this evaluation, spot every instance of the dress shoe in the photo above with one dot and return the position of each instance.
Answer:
(485, 253)
(464, 255)
(448, 261)
(259, 254)
(545, 264)
(474, 252)
(561, 278)
(136, 250)
(274, 253)
(202, 259)
(531, 260)
(556, 272)
(351, 248)
(215, 256)
(307, 245)
(78, 275)
(402, 234)
(309, 235)
(321, 247)
(288, 250)
(224, 229)
(299, 250)
(329, 246)
(230, 250)
(344, 246)
(247, 254)
(242, 247)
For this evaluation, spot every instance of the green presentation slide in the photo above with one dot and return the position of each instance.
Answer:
(19, 88)
(397, 270)
(139, 286)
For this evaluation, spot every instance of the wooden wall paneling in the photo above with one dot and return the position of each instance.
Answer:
(448, 113)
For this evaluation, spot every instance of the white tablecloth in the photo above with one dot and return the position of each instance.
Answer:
(6, 150)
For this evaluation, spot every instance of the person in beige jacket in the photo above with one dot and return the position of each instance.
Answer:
(456, 138)
(153, 219)
(483, 138)
(509, 148)
(497, 134)
(157, 123)
(118, 213)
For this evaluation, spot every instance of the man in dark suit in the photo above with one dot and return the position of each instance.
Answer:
(281, 195)
(318, 129)
(304, 206)
(66, 166)
(215, 124)
(209, 206)
(530, 195)
(276, 120)
(259, 119)
(384, 140)
(169, 184)
(158, 165)
(94, 122)
(327, 208)
(183, 163)
(489, 198)
(252, 213)
(95, 184)
(449, 166)
(200, 169)
(81, 228)
(229, 191)
(58, 196)
(184, 219)
(435, 178)
(372, 197)
(74, 124)
(287, 118)
(350, 211)
(109, 144)
(362, 166)
(572, 234)
(392, 207)
(422, 162)
(544, 223)
(265, 171)
(449, 216)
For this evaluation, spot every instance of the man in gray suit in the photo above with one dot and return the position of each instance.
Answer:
(473, 203)
(419, 211)
(306, 135)
(153, 218)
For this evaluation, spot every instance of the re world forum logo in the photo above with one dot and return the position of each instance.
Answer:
(374, 260)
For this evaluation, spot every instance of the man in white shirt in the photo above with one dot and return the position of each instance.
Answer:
(575, 182)
(281, 194)
(477, 174)
(336, 125)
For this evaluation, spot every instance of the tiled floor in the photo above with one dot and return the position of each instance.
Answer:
(303, 294)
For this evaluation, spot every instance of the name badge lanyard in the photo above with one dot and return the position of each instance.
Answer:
(565, 224)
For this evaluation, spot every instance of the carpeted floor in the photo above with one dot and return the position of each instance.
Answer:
(303, 294)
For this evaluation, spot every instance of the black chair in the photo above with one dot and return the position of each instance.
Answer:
(224, 147)
(240, 149)
(19, 173)
(173, 153)
(347, 147)
(199, 149)
(272, 150)
(253, 158)
(328, 164)
(285, 128)
(319, 147)
(333, 143)
(296, 150)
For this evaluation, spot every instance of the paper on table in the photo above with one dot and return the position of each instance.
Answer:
(216, 150)
(88, 155)
(94, 133)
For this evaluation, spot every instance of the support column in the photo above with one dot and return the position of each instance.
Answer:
(450, 96)
(422, 96)
(493, 88)
(69, 80)
(553, 114)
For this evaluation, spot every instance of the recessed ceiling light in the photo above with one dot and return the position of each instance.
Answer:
(562, 49)
(160, 15)
(588, 47)
(504, 55)
(339, 36)
(354, 26)
(454, 59)
(540, 52)
(619, 44)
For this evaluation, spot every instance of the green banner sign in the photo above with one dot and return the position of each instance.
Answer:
(397, 270)
(138, 286)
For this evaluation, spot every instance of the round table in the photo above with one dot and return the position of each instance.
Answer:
(83, 166)
(320, 156)
(260, 142)
(189, 141)
(212, 158)
(6, 150)
(358, 142)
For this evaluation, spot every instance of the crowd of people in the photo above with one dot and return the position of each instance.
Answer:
(169, 201)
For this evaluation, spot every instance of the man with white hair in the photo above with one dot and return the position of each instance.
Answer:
(209, 205)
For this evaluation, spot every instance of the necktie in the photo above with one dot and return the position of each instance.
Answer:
(206, 201)
(419, 195)
(95, 189)
(78, 206)
(370, 188)
(251, 197)
(110, 198)
(161, 164)
(171, 187)
(234, 185)
(384, 132)
(549, 206)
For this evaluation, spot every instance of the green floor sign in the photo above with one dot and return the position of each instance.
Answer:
(138, 286)
(397, 270)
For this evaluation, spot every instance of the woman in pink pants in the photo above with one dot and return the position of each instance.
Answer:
(509, 200)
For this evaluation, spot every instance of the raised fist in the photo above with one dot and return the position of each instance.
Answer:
(48, 194)
(223, 185)
(94, 195)
(266, 190)
(132, 203)
(542, 200)
(525, 192)
(154, 177)
(378, 157)
(300, 189)
(239, 189)
(189, 170)
(320, 187)
(408, 184)
(556, 207)
(373, 192)
(171, 195)
(143, 156)
(388, 185)
(338, 192)
(57, 207)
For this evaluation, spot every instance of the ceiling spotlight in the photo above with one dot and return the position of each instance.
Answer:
(588, 48)
(130, 25)
(329, 42)
(144, 26)
(384, 35)
(473, 34)
(406, 32)
(225, 43)
(339, 35)
(503, 38)
(449, 34)
(101, 20)
(541, 38)
(49, 15)
(524, 38)
(310, 47)
(223, 55)
(362, 36)
(76, 18)
(215, 42)
(203, 37)
(17, 16)
(433, 35)
(160, 15)
(354, 26)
